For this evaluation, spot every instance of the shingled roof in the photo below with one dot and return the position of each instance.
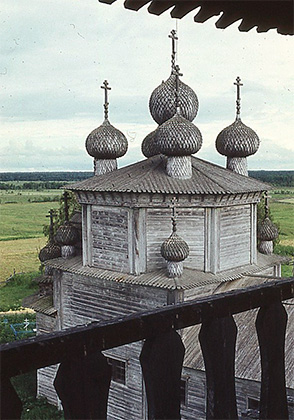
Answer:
(264, 14)
(149, 176)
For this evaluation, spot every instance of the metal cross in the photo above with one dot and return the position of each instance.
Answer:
(173, 204)
(51, 215)
(266, 206)
(65, 197)
(106, 103)
(176, 72)
(238, 101)
(174, 38)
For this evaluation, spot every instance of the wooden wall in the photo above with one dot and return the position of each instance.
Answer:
(235, 237)
(110, 238)
(45, 377)
(190, 226)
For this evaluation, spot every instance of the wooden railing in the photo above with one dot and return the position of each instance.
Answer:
(78, 350)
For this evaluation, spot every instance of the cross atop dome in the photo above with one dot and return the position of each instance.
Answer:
(238, 101)
(176, 72)
(174, 38)
(106, 103)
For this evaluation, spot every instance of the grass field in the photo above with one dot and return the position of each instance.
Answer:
(20, 256)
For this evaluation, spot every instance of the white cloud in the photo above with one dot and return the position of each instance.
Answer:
(55, 55)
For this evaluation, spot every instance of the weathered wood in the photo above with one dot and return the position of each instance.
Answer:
(53, 348)
(11, 405)
(82, 384)
(218, 341)
(271, 324)
(161, 360)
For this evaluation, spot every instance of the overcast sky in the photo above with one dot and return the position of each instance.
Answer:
(55, 55)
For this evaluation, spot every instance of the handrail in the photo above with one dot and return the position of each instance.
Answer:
(44, 350)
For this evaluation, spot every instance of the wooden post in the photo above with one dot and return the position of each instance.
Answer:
(218, 341)
(82, 384)
(161, 360)
(271, 329)
(11, 405)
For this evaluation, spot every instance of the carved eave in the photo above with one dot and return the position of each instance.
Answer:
(149, 200)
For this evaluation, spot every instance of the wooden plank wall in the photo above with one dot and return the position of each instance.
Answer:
(45, 377)
(190, 226)
(235, 238)
(110, 238)
(85, 299)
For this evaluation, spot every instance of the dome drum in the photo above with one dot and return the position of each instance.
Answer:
(266, 247)
(68, 251)
(102, 166)
(238, 165)
(179, 167)
(174, 269)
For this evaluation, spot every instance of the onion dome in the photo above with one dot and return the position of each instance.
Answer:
(162, 101)
(174, 249)
(178, 137)
(106, 141)
(50, 251)
(67, 234)
(149, 146)
(267, 231)
(237, 140)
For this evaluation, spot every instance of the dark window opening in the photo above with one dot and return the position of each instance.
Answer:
(118, 370)
(183, 391)
(253, 404)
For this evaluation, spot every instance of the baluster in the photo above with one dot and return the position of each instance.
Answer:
(271, 325)
(82, 384)
(11, 405)
(161, 360)
(218, 341)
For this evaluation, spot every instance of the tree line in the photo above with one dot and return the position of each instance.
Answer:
(49, 180)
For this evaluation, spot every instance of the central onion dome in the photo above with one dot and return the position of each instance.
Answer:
(162, 101)
(178, 137)
(149, 146)
(106, 142)
(237, 140)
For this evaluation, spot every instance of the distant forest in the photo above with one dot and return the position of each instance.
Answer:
(50, 180)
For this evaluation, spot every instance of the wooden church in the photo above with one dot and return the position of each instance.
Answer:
(164, 230)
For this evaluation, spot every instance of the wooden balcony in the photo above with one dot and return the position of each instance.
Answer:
(84, 375)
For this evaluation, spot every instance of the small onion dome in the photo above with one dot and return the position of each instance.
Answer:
(50, 251)
(162, 102)
(178, 137)
(174, 248)
(67, 234)
(267, 231)
(106, 142)
(149, 147)
(237, 140)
